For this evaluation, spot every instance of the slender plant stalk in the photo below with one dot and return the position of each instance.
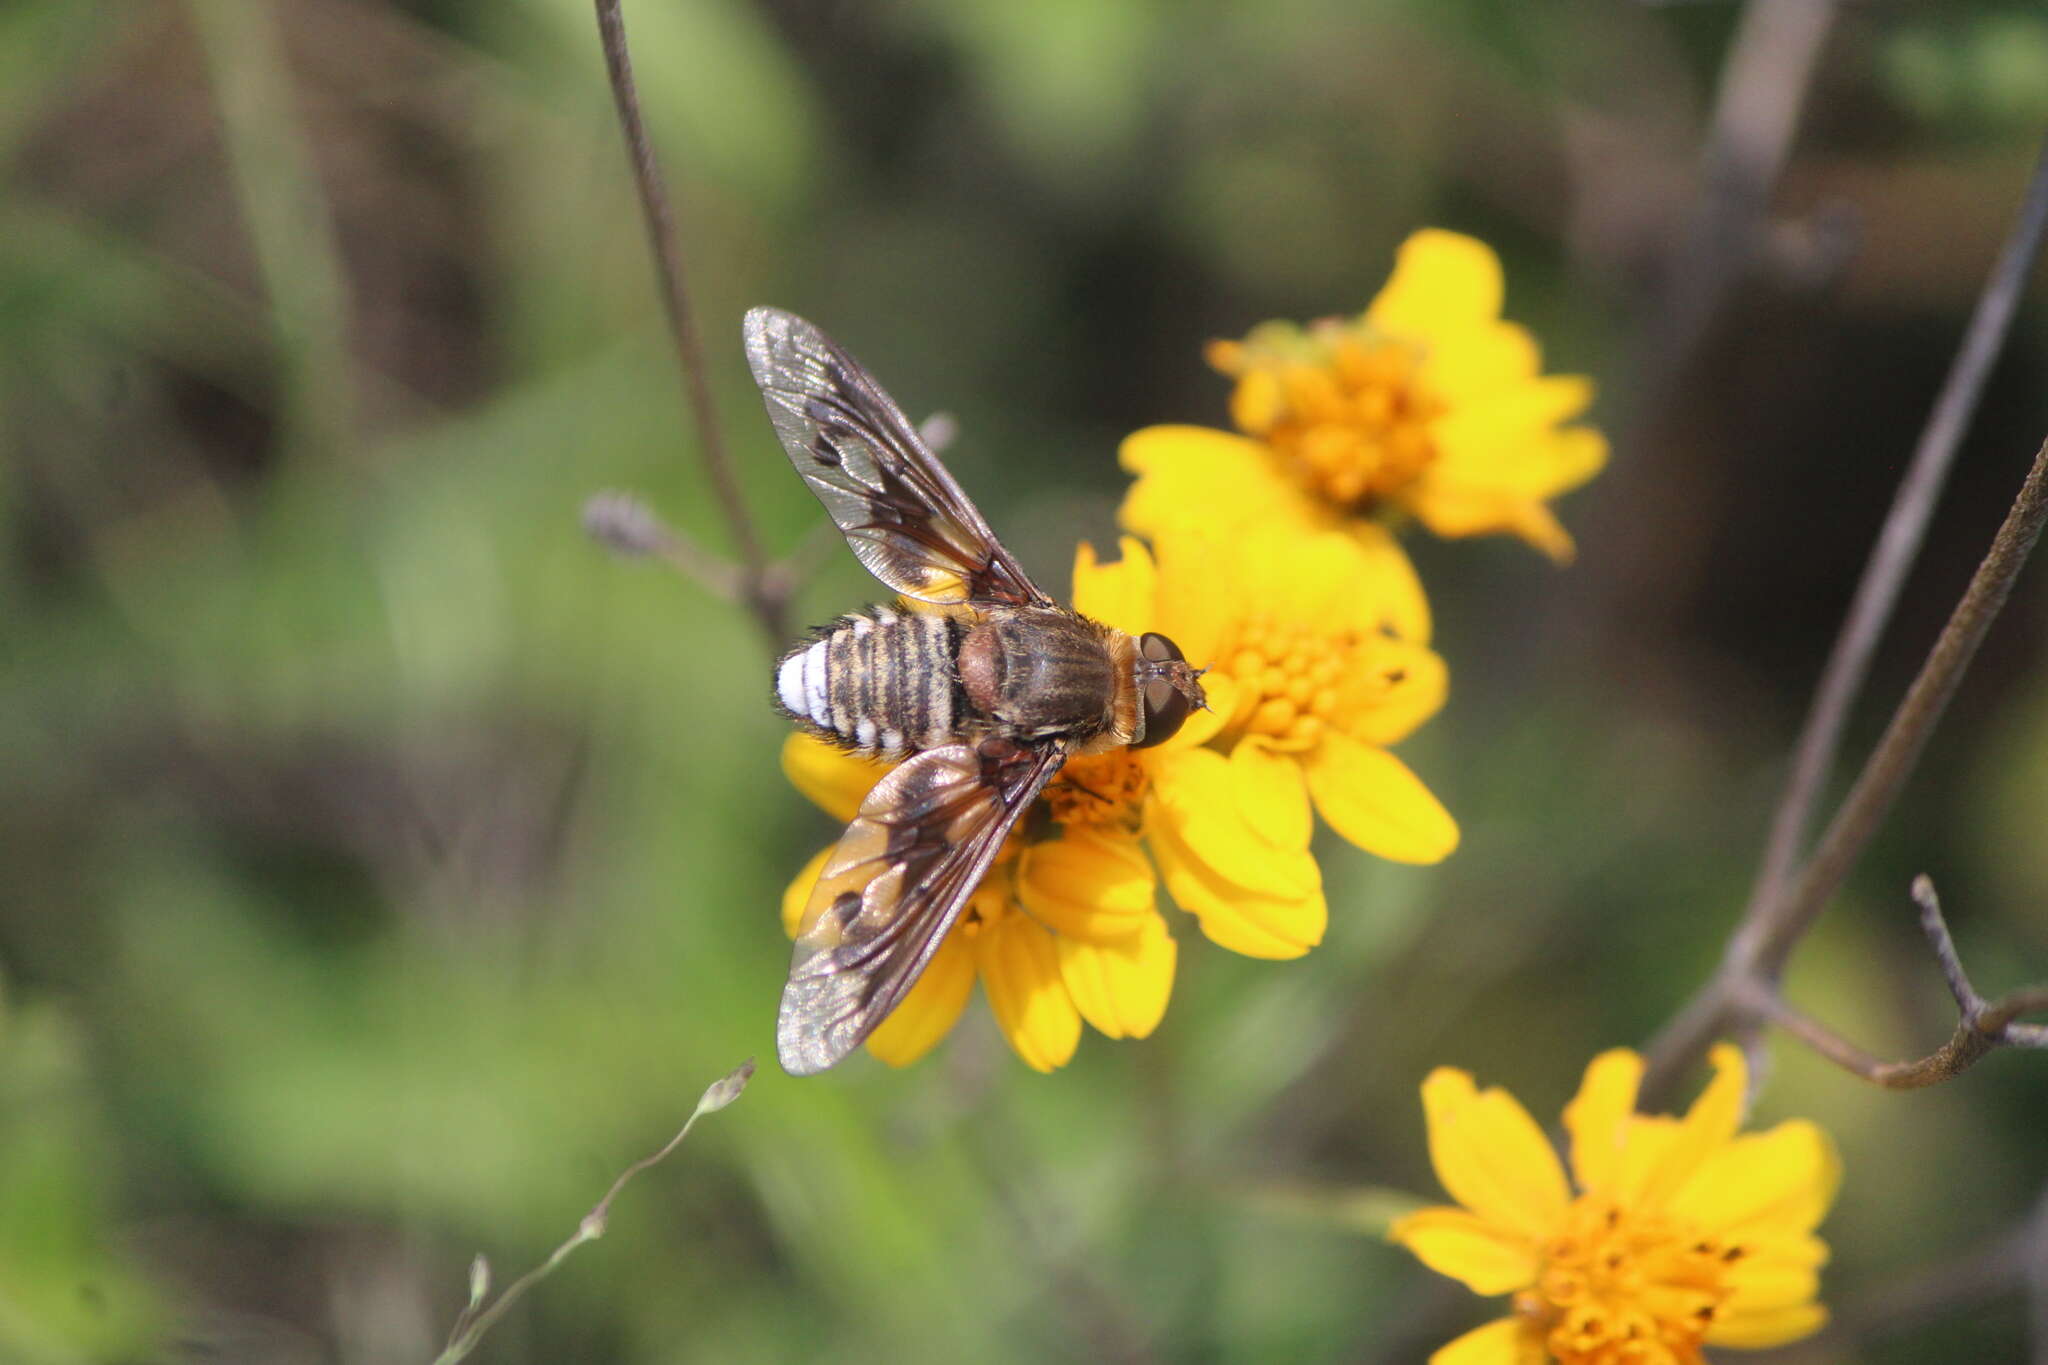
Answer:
(668, 257)
(1787, 897)
(482, 1312)
(1760, 96)
(1757, 953)
(1898, 544)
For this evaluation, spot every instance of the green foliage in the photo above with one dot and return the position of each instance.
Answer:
(386, 867)
(66, 1293)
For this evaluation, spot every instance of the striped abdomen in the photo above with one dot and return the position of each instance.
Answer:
(883, 683)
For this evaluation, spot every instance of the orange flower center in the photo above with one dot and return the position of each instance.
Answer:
(1099, 789)
(1343, 409)
(1623, 1287)
(1306, 677)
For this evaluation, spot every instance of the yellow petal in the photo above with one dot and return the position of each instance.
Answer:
(1540, 529)
(1271, 794)
(831, 777)
(1441, 281)
(1398, 687)
(1502, 1342)
(1598, 1117)
(1371, 798)
(1399, 604)
(1304, 576)
(1764, 1285)
(1197, 591)
(1195, 792)
(1233, 917)
(1571, 457)
(1300, 577)
(1121, 988)
(1454, 1242)
(1488, 482)
(1020, 971)
(1648, 1138)
(1707, 1128)
(932, 1007)
(1775, 1327)
(1453, 510)
(1491, 1156)
(1500, 439)
(798, 893)
(1257, 402)
(1200, 477)
(1124, 594)
(1763, 1184)
(1090, 884)
(1221, 454)
(1468, 362)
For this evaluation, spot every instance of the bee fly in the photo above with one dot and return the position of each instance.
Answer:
(984, 695)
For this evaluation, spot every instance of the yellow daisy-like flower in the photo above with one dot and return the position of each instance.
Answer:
(1427, 404)
(1680, 1234)
(1064, 927)
(1308, 684)
(1316, 665)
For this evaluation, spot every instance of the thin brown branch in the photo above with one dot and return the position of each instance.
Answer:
(1898, 543)
(1766, 941)
(1982, 1026)
(662, 238)
(1761, 94)
(1780, 909)
(1765, 938)
(631, 529)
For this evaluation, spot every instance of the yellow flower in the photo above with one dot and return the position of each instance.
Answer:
(1308, 682)
(1061, 930)
(1680, 1233)
(1065, 927)
(1426, 404)
(1316, 667)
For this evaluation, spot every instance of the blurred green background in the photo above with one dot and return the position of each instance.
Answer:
(385, 867)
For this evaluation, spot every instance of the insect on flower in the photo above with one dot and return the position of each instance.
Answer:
(985, 688)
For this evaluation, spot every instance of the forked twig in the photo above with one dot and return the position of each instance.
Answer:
(1757, 952)
(1786, 899)
(1982, 1026)
(478, 1316)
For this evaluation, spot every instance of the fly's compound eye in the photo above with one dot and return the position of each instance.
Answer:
(1155, 648)
(1164, 681)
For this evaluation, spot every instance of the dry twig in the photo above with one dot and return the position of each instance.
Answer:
(1758, 950)
(1982, 1026)
(1788, 896)
(1898, 544)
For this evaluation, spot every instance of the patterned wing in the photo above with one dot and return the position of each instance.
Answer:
(900, 511)
(892, 888)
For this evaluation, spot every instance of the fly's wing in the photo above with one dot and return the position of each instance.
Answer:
(900, 511)
(892, 888)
